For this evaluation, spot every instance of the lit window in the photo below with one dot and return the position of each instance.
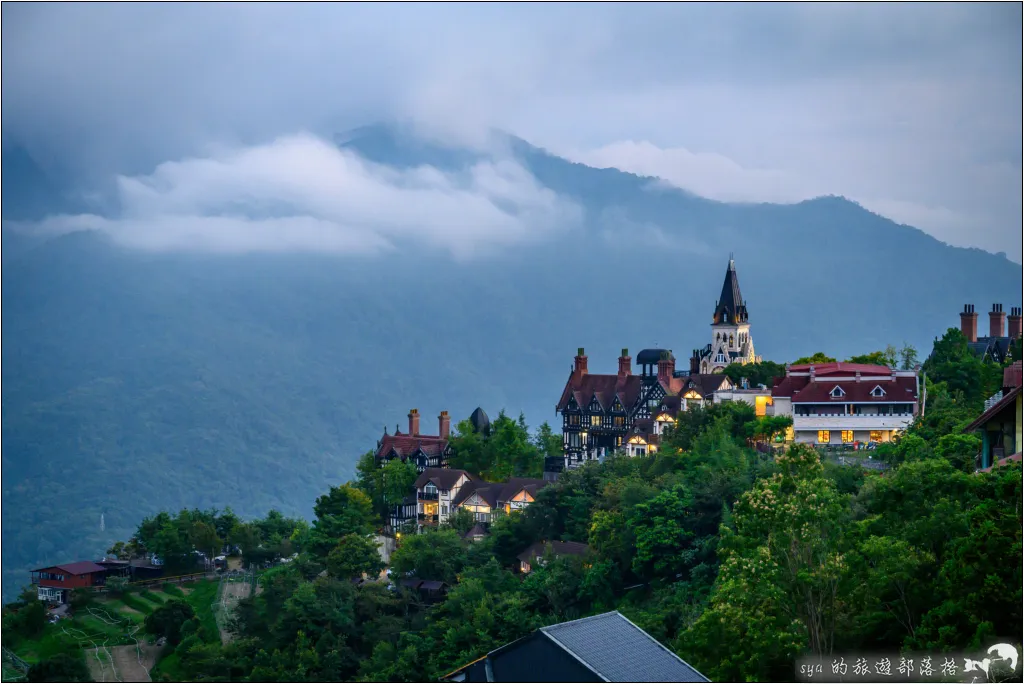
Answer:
(595, 421)
(876, 436)
(847, 436)
(620, 421)
(824, 436)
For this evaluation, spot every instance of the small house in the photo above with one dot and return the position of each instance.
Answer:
(534, 556)
(55, 582)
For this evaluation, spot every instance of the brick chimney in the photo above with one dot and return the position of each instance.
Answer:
(997, 321)
(414, 422)
(580, 369)
(444, 425)
(969, 323)
(666, 367)
(625, 369)
(1013, 323)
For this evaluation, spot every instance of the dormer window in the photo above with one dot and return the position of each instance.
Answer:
(430, 488)
(837, 392)
(878, 391)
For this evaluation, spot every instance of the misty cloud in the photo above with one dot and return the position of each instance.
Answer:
(301, 193)
(914, 107)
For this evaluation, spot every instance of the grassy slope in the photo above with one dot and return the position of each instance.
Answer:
(63, 637)
(201, 598)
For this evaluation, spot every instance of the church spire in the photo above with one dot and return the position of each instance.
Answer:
(730, 307)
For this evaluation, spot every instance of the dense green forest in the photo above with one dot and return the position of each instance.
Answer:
(738, 561)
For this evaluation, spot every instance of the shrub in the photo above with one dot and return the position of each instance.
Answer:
(167, 620)
(63, 667)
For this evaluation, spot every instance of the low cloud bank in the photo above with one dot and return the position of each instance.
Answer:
(301, 193)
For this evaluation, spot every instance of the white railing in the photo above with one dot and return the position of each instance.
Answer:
(993, 400)
(853, 422)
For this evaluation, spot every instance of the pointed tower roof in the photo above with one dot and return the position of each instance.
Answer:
(481, 423)
(730, 307)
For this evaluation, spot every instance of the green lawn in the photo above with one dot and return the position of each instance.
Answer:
(173, 590)
(70, 636)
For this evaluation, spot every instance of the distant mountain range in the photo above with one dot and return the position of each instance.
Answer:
(138, 381)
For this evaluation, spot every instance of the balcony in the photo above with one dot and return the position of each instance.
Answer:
(425, 519)
(853, 421)
(426, 496)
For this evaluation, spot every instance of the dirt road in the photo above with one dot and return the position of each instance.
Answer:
(129, 665)
(231, 594)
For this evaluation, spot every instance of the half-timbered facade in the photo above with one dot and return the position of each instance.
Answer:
(484, 500)
(602, 413)
(423, 451)
(437, 489)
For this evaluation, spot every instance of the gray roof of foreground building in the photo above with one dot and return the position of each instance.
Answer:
(619, 651)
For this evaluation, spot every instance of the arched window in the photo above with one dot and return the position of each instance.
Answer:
(731, 340)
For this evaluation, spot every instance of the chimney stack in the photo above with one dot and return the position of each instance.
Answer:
(414, 422)
(581, 362)
(1013, 323)
(444, 425)
(811, 372)
(997, 321)
(625, 369)
(666, 367)
(969, 323)
(857, 377)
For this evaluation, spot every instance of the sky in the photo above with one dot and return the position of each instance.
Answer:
(912, 109)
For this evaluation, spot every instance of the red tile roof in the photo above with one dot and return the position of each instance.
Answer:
(841, 368)
(605, 387)
(76, 568)
(800, 389)
(1013, 375)
(900, 390)
(406, 445)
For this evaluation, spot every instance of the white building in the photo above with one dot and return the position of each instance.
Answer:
(843, 403)
(730, 331)
(436, 492)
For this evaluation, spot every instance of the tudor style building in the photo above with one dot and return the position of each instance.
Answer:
(437, 490)
(485, 499)
(730, 331)
(424, 451)
(603, 413)
(1002, 331)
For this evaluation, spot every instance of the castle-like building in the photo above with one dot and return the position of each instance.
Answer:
(730, 331)
(628, 411)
